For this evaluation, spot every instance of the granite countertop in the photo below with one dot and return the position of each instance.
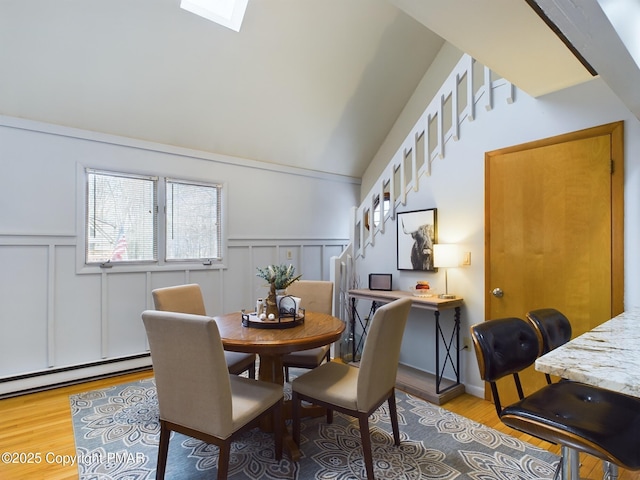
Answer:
(607, 356)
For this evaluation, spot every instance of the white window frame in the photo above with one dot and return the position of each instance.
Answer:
(161, 264)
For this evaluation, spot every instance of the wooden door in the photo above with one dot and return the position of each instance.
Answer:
(554, 230)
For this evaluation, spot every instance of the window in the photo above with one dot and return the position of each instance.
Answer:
(130, 217)
(193, 221)
(121, 218)
(377, 214)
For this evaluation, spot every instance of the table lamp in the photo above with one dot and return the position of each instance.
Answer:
(446, 256)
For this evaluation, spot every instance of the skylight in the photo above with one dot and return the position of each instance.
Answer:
(228, 13)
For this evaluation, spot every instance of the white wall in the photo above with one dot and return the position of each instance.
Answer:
(456, 189)
(419, 101)
(53, 316)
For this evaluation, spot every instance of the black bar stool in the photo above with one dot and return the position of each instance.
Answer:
(579, 417)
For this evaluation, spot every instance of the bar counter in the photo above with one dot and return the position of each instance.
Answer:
(607, 356)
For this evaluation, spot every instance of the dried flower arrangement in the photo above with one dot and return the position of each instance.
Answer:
(280, 275)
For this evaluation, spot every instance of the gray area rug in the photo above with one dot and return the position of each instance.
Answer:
(117, 431)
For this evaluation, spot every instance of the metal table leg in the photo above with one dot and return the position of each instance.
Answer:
(448, 345)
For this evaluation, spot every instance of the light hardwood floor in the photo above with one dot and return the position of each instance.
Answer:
(40, 423)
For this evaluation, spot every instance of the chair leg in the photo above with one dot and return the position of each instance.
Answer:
(286, 374)
(365, 437)
(570, 463)
(252, 371)
(393, 416)
(223, 459)
(163, 449)
(278, 427)
(609, 471)
(295, 417)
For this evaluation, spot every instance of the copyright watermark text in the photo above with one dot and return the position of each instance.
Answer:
(54, 458)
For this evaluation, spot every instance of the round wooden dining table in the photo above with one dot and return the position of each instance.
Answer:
(271, 344)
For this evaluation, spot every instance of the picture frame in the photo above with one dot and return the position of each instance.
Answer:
(380, 281)
(417, 231)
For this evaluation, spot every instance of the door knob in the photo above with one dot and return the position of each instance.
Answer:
(497, 292)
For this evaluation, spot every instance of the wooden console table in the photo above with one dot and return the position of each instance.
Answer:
(434, 388)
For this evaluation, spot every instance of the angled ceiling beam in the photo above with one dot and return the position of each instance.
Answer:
(505, 35)
(587, 27)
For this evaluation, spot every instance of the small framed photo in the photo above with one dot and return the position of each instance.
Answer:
(380, 281)
(417, 232)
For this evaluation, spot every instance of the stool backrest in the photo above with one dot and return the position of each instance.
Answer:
(553, 326)
(553, 329)
(504, 346)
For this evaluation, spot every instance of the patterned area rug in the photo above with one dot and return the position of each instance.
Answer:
(117, 430)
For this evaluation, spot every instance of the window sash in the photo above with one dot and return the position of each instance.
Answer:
(121, 218)
(193, 227)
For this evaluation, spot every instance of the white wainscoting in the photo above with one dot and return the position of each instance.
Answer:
(58, 326)
(60, 321)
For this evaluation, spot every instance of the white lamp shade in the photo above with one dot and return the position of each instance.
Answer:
(446, 255)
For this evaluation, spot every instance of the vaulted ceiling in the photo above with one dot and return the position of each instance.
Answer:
(314, 84)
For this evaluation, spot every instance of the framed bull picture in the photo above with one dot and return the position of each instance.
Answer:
(417, 232)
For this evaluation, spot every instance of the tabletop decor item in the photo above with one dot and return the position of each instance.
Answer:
(279, 322)
(289, 314)
(380, 281)
(422, 289)
(279, 277)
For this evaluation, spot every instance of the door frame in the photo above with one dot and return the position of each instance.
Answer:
(616, 131)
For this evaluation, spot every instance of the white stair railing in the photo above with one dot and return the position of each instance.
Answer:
(469, 85)
(342, 273)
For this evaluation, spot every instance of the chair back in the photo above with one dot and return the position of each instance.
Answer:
(553, 327)
(504, 346)
(180, 298)
(190, 371)
(315, 295)
(381, 353)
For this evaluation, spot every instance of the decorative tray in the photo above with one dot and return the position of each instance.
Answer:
(284, 321)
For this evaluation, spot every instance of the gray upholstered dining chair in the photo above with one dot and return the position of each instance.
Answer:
(196, 394)
(188, 299)
(358, 392)
(316, 296)
(578, 417)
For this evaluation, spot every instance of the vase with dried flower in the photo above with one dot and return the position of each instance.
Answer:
(279, 277)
